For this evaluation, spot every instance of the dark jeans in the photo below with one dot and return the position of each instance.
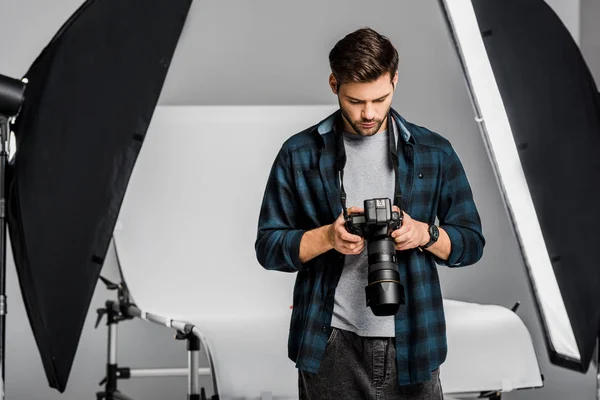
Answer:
(355, 367)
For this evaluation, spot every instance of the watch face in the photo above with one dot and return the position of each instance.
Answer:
(434, 232)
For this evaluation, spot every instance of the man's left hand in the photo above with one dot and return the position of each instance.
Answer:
(411, 234)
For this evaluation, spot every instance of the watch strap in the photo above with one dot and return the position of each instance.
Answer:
(432, 239)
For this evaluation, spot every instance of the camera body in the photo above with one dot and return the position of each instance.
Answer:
(377, 220)
(384, 292)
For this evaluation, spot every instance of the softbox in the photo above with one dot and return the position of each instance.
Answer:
(538, 109)
(90, 97)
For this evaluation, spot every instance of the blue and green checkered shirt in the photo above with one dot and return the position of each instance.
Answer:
(303, 193)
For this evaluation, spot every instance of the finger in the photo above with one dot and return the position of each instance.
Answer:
(406, 246)
(361, 243)
(346, 236)
(405, 238)
(402, 241)
(355, 210)
(340, 219)
(404, 229)
(351, 245)
(355, 249)
(401, 247)
(358, 249)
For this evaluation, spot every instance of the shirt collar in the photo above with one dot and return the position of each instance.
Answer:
(327, 124)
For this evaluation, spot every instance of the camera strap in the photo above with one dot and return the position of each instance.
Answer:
(393, 158)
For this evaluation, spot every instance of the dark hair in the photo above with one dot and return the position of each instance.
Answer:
(363, 56)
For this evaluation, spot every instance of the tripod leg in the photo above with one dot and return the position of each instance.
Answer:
(3, 235)
(193, 345)
(112, 370)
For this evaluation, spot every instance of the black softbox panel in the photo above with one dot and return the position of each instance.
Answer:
(90, 98)
(553, 107)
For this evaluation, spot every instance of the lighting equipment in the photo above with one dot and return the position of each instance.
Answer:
(11, 100)
(538, 109)
(89, 100)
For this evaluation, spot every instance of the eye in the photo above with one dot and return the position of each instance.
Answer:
(354, 102)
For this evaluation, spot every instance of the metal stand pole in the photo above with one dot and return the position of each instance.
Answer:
(112, 369)
(193, 347)
(193, 363)
(111, 365)
(125, 309)
(3, 235)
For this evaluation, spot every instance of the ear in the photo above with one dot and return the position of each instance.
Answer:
(333, 84)
(395, 80)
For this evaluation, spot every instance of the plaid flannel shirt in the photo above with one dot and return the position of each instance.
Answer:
(303, 193)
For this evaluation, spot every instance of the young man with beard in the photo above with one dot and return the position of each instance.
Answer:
(341, 348)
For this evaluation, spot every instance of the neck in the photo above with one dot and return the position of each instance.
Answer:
(348, 128)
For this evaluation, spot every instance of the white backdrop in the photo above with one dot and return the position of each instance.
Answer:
(185, 241)
(186, 230)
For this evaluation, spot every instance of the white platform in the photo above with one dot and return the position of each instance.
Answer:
(185, 241)
(489, 348)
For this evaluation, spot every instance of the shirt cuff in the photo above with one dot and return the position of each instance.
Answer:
(457, 247)
(292, 245)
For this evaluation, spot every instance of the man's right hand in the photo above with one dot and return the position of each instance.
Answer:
(342, 240)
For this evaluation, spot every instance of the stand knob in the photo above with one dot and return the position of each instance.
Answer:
(109, 284)
(101, 312)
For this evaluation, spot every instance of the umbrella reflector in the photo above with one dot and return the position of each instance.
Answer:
(89, 100)
(539, 112)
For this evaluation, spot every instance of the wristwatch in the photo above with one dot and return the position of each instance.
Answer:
(434, 234)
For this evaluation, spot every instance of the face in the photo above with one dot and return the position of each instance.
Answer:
(365, 106)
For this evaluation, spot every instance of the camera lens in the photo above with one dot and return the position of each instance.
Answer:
(384, 291)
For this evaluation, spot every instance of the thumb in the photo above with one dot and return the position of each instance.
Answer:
(355, 210)
(349, 210)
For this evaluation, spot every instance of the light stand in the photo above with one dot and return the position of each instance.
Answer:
(3, 234)
(113, 372)
(125, 309)
(11, 99)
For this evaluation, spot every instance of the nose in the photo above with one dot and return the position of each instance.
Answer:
(368, 112)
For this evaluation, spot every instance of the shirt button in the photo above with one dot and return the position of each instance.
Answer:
(420, 176)
(324, 329)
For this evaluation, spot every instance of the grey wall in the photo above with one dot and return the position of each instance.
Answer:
(569, 12)
(273, 52)
(590, 35)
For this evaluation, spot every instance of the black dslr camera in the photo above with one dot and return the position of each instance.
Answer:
(384, 291)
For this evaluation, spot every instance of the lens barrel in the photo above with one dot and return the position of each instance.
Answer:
(384, 292)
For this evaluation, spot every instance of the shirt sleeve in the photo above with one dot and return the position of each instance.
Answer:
(277, 243)
(458, 216)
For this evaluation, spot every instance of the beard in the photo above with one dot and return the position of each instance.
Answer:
(356, 125)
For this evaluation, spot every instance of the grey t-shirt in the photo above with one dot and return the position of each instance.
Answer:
(367, 175)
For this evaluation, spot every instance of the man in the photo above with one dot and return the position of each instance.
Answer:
(341, 348)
